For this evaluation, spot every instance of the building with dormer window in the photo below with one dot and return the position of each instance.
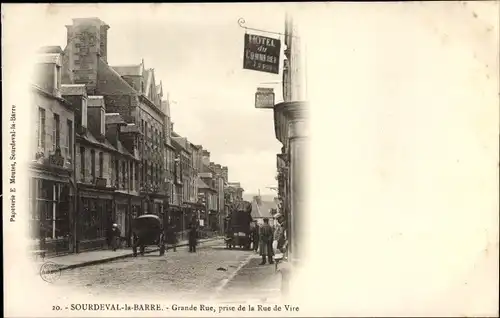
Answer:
(131, 91)
(51, 192)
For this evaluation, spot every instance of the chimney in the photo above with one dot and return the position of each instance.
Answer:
(205, 157)
(96, 110)
(86, 44)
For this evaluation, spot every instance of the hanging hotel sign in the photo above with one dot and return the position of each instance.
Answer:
(264, 98)
(262, 53)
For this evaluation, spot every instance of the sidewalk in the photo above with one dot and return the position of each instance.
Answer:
(102, 256)
(252, 283)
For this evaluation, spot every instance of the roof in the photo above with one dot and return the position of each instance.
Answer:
(202, 184)
(90, 138)
(41, 91)
(181, 142)
(263, 209)
(74, 89)
(148, 76)
(205, 175)
(49, 58)
(205, 168)
(128, 70)
(110, 81)
(121, 149)
(50, 49)
(168, 143)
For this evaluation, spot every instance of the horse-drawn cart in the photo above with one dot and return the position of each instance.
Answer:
(148, 230)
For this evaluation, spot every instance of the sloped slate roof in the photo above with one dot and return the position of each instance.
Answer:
(50, 49)
(49, 58)
(89, 137)
(121, 149)
(205, 174)
(263, 209)
(202, 184)
(128, 70)
(110, 82)
(181, 141)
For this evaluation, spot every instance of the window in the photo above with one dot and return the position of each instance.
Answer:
(124, 174)
(82, 163)
(92, 162)
(117, 173)
(153, 171)
(103, 123)
(84, 112)
(145, 133)
(93, 220)
(69, 152)
(41, 128)
(136, 172)
(56, 142)
(101, 164)
(111, 166)
(131, 175)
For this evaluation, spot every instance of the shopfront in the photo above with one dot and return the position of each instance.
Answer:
(95, 218)
(49, 218)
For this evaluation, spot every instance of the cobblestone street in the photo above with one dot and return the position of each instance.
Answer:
(180, 273)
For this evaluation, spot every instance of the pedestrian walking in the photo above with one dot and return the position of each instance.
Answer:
(255, 236)
(266, 242)
(115, 236)
(193, 236)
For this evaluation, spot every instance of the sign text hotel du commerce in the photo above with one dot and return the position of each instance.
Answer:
(262, 54)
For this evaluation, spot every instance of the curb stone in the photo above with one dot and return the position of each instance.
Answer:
(110, 259)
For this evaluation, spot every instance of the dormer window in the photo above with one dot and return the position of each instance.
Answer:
(103, 127)
(84, 112)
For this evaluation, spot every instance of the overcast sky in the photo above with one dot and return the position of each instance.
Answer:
(197, 54)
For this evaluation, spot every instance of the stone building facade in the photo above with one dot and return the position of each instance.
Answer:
(52, 190)
(130, 91)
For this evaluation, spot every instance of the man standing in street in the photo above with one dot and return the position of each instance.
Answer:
(255, 236)
(115, 236)
(266, 242)
(193, 235)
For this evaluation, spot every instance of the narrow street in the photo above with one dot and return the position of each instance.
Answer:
(180, 273)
